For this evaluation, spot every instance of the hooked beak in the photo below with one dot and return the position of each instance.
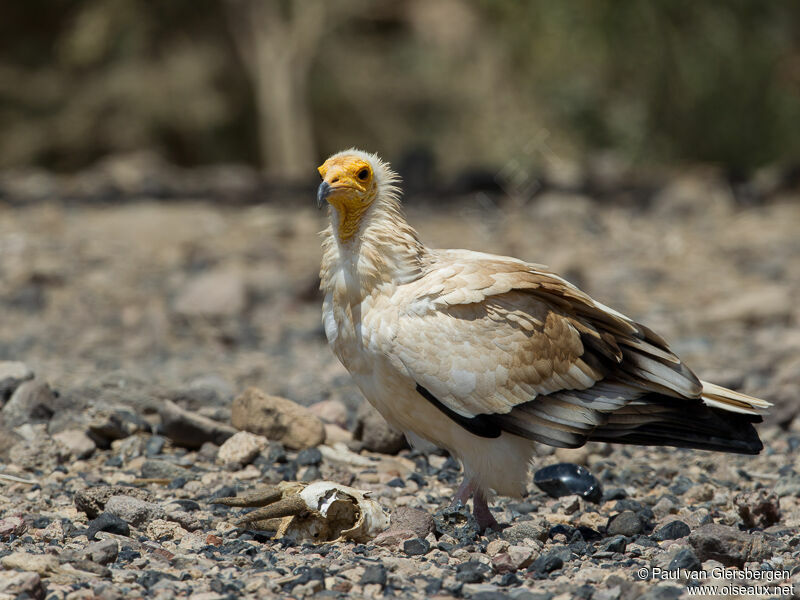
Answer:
(323, 191)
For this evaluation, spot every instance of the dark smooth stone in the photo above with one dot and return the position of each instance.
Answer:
(674, 530)
(626, 523)
(685, 559)
(565, 479)
(615, 544)
(546, 563)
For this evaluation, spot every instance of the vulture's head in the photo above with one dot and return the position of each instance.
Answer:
(352, 181)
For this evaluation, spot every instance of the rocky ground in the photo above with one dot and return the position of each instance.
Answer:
(136, 337)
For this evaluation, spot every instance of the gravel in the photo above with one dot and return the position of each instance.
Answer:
(128, 355)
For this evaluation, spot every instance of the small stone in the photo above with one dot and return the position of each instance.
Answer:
(116, 424)
(728, 545)
(699, 493)
(495, 547)
(38, 453)
(472, 572)
(615, 544)
(216, 294)
(674, 530)
(32, 402)
(375, 434)
(406, 522)
(12, 526)
(685, 559)
(191, 430)
(92, 501)
(22, 585)
(330, 411)
(665, 506)
(571, 505)
(518, 533)
(374, 574)
(107, 522)
(103, 552)
(309, 456)
(241, 448)
(12, 374)
(75, 443)
(626, 523)
(163, 469)
(161, 529)
(336, 435)
(416, 546)
(546, 563)
(154, 446)
(43, 564)
(278, 419)
(134, 511)
(564, 479)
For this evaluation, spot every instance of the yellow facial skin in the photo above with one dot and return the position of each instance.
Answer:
(352, 191)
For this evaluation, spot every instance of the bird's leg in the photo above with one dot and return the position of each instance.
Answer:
(480, 509)
(465, 490)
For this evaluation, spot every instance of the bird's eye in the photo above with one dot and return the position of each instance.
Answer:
(363, 174)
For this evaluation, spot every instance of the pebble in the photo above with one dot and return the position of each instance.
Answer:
(161, 529)
(92, 501)
(626, 523)
(374, 574)
(12, 374)
(23, 585)
(728, 545)
(416, 546)
(133, 511)
(191, 430)
(32, 402)
(565, 479)
(685, 559)
(102, 552)
(155, 468)
(76, 443)
(375, 434)
(241, 448)
(117, 424)
(519, 532)
(278, 419)
(332, 412)
(674, 530)
(11, 526)
(472, 572)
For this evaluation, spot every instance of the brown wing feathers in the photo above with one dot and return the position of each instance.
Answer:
(646, 396)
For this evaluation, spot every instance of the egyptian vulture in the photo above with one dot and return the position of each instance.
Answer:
(484, 355)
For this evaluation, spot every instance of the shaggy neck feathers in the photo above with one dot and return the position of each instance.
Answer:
(384, 250)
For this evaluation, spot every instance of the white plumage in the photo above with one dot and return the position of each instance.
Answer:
(483, 354)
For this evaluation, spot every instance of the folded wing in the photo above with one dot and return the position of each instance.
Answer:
(501, 345)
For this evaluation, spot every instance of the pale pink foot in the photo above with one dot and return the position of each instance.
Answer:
(480, 509)
(464, 492)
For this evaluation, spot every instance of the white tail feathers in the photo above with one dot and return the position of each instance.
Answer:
(717, 396)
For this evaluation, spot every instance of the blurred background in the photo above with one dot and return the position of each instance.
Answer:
(157, 167)
(279, 85)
